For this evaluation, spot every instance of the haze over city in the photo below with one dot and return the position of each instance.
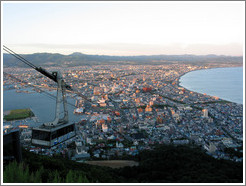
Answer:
(125, 28)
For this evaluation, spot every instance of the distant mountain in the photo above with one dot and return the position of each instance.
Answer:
(77, 59)
(77, 54)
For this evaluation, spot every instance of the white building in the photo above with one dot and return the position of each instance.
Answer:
(78, 110)
(105, 128)
(205, 113)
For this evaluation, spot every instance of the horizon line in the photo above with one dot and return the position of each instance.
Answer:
(186, 54)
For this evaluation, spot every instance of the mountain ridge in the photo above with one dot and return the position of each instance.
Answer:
(77, 58)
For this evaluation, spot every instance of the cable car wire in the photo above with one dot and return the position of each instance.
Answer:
(44, 72)
(19, 57)
(35, 87)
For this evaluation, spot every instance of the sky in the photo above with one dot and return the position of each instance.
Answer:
(125, 28)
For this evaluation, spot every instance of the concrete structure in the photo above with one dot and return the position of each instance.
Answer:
(205, 113)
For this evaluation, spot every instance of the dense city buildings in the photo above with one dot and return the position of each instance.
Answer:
(129, 108)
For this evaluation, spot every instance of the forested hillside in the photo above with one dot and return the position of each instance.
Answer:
(164, 164)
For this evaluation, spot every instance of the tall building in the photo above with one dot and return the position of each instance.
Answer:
(205, 113)
(105, 128)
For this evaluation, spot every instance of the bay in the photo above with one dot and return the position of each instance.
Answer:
(42, 106)
(225, 83)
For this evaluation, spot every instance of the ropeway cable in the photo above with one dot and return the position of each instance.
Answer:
(41, 91)
(19, 57)
(22, 59)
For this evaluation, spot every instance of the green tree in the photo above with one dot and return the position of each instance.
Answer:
(70, 177)
(82, 179)
(76, 177)
(19, 173)
(57, 178)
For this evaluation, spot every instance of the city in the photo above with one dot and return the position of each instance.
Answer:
(123, 92)
(130, 108)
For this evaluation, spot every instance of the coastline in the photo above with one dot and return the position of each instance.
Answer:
(209, 68)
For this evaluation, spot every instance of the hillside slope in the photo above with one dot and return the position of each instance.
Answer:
(164, 164)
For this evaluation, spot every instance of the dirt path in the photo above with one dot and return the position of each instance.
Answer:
(113, 163)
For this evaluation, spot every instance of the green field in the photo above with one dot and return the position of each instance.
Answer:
(18, 114)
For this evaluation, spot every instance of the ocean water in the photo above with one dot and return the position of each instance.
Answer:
(225, 83)
(42, 106)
